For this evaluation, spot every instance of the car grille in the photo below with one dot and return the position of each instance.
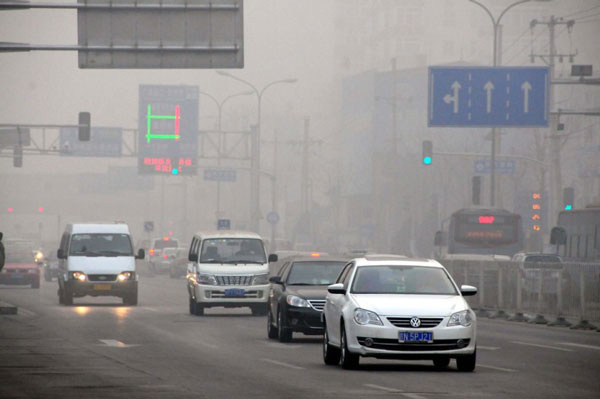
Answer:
(221, 294)
(234, 280)
(395, 345)
(102, 277)
(426, 322)
(317, 304)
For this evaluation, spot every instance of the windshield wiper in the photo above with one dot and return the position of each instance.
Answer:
(302, 284)
(114, 253)
(246, 261)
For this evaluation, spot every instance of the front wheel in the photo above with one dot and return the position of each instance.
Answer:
(441, 362)
(197, 309)
(467, 362)
(67, 297)
(348, 360)
(284, 333)
(272, 331)
(331, 354)
(35, 283)
(130, 299)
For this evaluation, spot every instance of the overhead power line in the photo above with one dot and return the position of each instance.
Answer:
(580, 12)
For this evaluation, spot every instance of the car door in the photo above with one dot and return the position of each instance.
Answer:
(334, 306)
(62, 263)
(191, 269)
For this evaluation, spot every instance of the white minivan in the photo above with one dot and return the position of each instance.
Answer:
(228, 269)
(97, 260)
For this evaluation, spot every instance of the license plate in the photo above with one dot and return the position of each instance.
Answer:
(17, 276)
(416, 336)
(235, 292)
(102, 287)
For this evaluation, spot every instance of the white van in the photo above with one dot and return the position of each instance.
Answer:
(97, 260)
(229, 269)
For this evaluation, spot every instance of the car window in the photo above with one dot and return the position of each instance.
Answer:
(233, 250)
(343, 274)
(103, 244)
(313, 273)
(395, 279)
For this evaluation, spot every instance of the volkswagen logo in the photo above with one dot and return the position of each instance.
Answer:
(415, 322)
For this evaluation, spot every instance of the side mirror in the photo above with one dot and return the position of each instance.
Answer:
(60, 254)
(275, 280)
(558, 236)
(192, 257)
(468, 290)
(141, 254)
(1, 235)
(273, 258)
(336, 289)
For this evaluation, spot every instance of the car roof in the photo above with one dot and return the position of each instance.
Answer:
(396, 261)
(91, 228)
(304, 258)
(227, 234)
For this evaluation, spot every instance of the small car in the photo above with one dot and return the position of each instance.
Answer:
(297, 296)
(178, 260)
(20, 269)
(394, 307)
(536, 268)
(155, 253)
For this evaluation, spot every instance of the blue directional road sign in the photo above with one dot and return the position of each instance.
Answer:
(223, 224)
(503, 166)
(489, 96)
(273, 217)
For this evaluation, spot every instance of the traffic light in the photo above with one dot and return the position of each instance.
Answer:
(568, 198)
(84, 126)
(476, 186)
(427, 152)
(18, 156)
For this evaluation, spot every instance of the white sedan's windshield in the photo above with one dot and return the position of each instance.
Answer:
(402, 280)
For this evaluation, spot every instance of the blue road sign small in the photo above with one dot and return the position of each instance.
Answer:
(220, 175)
(223, 224)
(489, 96)
(273, 217)
(503, 166)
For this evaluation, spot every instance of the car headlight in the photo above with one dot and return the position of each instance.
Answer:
(77, 276)
(126, 276)
(206, 279)
(364, 317)
(260, 279)
(296, 301)
(463, 318)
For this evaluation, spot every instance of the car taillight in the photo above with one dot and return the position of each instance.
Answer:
(165, 256)
(151, 251)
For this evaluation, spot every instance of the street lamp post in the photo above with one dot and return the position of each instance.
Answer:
(255, 161)
(219, 105)
(497, 38)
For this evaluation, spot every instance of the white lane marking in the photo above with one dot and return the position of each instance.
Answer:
(394, 390)
(488, 348)
(580, 345)
(116, 344)
(542, 346)
(283, 364)
(485, 366)
(151, 309)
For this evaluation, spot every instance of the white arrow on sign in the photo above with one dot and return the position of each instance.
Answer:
(526, 87)
(489, 86)
(115, 344)
(453, 98)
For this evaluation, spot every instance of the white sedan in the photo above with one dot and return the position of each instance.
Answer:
(398, 308)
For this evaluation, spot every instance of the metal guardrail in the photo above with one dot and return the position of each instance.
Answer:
(558, 294)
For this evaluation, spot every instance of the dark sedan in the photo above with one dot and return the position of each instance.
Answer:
(298, 294)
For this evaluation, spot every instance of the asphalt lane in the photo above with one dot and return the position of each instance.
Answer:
(100, 348)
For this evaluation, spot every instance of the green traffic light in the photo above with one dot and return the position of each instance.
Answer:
(568, 207)
(427, 160)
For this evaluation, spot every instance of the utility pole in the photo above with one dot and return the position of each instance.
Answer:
(553, 136)
(305, 173)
